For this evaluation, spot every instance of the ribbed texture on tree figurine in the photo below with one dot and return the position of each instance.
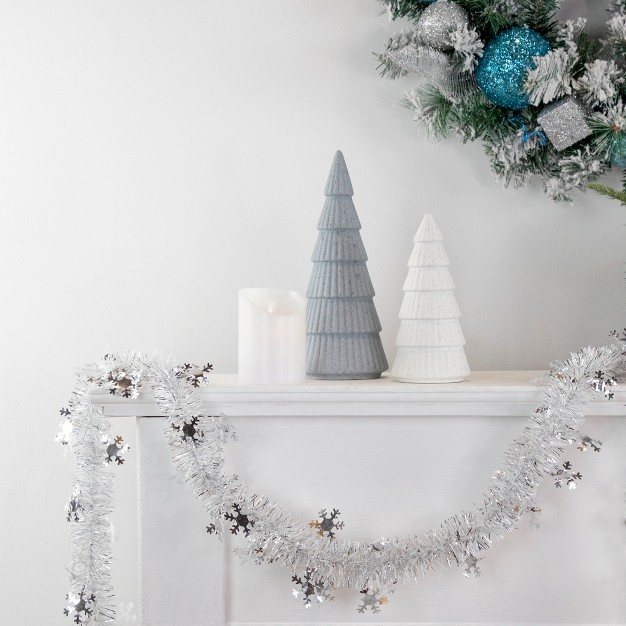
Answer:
(343, 340)
(430, 340)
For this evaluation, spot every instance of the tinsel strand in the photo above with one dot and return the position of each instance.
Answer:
(272, 535)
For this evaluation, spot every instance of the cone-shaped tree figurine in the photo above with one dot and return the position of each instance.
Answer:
(430, 340)
(343, 340)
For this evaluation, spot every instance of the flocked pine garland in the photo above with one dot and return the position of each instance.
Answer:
(543, 97)
(318, 561)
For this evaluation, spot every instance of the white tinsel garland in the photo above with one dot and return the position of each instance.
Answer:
(318, 562)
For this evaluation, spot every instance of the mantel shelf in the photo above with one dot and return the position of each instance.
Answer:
(504, 393)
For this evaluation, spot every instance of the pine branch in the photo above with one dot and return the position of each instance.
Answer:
(410, 9)
(540, 15)
(487, 16)
(610, 192)
(588, 49)
(477, 118)
(431, 108)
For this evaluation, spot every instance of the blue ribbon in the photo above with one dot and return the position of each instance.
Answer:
(526, 135)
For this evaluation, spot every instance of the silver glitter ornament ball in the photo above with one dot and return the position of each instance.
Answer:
(437, 21)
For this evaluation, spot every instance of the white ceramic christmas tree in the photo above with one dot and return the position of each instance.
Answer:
(430, 340)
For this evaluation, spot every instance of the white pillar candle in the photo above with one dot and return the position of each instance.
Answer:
(272, 337)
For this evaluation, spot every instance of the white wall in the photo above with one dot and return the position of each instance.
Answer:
(156, 156)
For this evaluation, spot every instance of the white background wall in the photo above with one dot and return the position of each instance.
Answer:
(156, 156)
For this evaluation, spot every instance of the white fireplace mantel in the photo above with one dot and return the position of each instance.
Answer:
(483, 393)
(355, 445)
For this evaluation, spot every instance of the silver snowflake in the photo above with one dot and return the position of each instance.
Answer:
(372, 601)
(310, 589)
(471, 566)
(80, 606)
(115, 449)
(328, 524)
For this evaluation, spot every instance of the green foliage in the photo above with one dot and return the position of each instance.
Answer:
(602, 134)
(610, 192)
(473, 117)
(588, 49)
(487, 16)
(477, 118)
(540, 15)
(433, 109)
(411, 9)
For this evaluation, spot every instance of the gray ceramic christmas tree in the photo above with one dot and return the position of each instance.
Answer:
(343, 340)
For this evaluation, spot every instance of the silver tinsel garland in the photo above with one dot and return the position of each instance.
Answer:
(317, 559)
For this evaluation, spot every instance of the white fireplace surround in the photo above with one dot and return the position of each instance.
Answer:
(394, 458)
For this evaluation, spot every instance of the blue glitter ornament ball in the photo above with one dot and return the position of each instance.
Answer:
(501, 72)
(618, 150)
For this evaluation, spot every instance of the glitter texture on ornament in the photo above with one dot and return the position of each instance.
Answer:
(617, 152)
(437, 21)
(564, 122)
(501, 71)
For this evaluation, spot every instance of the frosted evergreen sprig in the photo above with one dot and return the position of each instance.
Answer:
(467, 47)
(388, 66)
(515, 160)
(575, 171)
(606, 126)
(552, 76)
(598, 86)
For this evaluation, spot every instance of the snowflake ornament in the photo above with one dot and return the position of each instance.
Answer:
(211, 529)
(80, 606)
(124, 383)
(310, 589)
(565, 476)
(603, 382)
(66, 428)
(74, 506)
(328, 524)
(587, 442)
(115, 449)
(188, 430)
(240, 520)
(372, 601)
(471, 566)
(194, 374)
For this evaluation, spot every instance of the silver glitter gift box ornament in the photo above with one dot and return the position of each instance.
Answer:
(342, 326)
(564, 122)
